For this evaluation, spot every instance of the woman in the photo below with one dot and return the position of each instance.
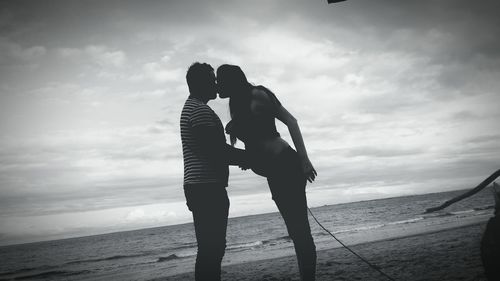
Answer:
(253, 112)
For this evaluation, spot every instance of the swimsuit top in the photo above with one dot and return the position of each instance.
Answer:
(256, 126)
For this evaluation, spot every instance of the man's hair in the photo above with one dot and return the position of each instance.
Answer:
(197, 77)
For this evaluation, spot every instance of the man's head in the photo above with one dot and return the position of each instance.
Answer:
(200, 78)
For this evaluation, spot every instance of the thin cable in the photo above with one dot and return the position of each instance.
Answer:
(345, 246)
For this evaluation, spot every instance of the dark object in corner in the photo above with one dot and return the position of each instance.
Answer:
(471, 192)
(490, 243)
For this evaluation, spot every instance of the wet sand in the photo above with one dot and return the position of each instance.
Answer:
(445, 255)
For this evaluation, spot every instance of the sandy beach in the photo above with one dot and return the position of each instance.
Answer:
(451, 254)
(392, 233)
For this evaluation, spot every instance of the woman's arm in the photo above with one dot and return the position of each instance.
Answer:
(293, 127)
(264, 105)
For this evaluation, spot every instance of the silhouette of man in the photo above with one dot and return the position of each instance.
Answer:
(206, 159)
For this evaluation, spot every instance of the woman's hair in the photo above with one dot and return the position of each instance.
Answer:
(239, 102)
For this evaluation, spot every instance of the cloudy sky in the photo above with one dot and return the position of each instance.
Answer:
(393, 98)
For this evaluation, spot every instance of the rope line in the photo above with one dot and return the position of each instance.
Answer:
(354, 253)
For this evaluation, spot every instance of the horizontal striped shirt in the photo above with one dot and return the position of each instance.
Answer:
(198, 168)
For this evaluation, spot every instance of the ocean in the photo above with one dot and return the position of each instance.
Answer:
(160, 252)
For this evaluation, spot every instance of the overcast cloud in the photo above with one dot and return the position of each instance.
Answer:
(393, 98)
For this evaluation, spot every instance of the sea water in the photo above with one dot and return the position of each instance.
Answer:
(151, 253)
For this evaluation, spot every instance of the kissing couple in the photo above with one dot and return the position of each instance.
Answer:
(207, 157)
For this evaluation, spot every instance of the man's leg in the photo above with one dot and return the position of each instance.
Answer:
(210, 206)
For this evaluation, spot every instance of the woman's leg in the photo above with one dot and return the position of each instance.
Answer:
(288, 189)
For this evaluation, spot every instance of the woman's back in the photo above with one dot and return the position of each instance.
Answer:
(258, 123)
(257, 129)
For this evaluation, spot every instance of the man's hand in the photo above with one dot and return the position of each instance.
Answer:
(245, 162)
(238, 157)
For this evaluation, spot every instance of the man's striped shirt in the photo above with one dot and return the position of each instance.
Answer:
(198, 168)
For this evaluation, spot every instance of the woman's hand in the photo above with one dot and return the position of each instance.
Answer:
(308, 169)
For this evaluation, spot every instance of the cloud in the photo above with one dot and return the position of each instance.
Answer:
(22, 229)
(105, 167)
(12, 52)
(159, 72)
(484, 138)
(382, 152)
(100, 55)
(392, 98)
(105, 57)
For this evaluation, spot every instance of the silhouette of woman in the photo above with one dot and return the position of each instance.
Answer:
(253, 111)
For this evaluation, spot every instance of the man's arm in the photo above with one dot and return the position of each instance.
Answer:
(237, 157)
(211, 145)
(214, 147)
(217, 150)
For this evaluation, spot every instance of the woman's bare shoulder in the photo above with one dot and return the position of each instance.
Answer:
(261, 102)
(259, 94)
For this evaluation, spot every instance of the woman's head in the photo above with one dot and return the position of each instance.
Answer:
(231, 80)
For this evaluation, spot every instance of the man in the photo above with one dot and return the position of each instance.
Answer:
(206, 159)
